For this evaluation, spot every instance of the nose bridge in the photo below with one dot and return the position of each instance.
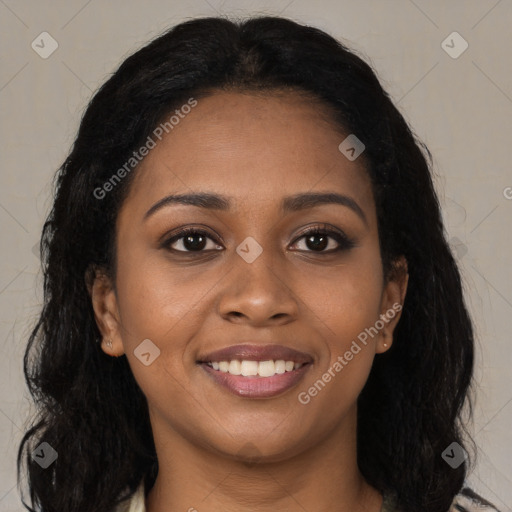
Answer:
(257, 288)
(256, 262)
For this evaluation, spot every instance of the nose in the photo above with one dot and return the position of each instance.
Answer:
(258, 294)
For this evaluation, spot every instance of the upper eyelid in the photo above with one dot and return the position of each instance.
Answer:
(321, 228)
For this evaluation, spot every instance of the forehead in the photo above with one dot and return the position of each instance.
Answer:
(255, 148)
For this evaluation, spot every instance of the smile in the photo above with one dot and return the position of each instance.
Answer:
(256, 371)
(255, 368)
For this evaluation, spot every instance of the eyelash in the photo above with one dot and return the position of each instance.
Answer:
(344, 242)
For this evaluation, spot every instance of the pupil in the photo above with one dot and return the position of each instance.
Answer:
(190, 245)
(312, 245)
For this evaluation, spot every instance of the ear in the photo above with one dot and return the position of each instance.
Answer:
(393, 297)
(104, 303)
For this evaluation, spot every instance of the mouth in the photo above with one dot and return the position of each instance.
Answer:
(248, 368)
(256, 371)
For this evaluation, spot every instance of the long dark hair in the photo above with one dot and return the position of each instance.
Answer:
(91, 410)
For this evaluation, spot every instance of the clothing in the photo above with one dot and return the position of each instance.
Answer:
(136, 503)
(466, 501)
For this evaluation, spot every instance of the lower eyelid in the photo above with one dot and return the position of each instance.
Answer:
(344, 243)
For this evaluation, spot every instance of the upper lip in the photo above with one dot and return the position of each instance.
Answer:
(252, 352)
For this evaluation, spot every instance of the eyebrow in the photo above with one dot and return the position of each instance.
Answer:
(290, 204)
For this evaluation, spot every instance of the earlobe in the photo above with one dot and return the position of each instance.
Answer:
(393, 299)
(384, 343)
(110, 350)
(104, 303)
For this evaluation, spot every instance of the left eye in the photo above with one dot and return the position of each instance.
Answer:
(321, 240)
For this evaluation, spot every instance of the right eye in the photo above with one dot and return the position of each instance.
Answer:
(191, 240)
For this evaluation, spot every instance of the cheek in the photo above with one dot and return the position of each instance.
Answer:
(345, 303)
(155, 300)
(350, 306)
(346, 298)
(164, 305)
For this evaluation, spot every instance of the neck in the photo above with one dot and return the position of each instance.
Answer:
(324, 477)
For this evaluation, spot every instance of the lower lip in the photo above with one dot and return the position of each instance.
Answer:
(254, 386)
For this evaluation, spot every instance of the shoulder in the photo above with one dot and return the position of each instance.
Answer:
(466, 501)
(469, 501)
(135, 504)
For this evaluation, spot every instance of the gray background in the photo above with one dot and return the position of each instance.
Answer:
(461, 107)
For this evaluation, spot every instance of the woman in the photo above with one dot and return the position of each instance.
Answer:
(249, 229)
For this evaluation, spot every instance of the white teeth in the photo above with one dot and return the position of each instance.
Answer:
(235, 368)
(280, 366)
(248, 368)
(266, 369)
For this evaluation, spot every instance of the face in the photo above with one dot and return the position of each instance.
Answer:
(249, 278)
